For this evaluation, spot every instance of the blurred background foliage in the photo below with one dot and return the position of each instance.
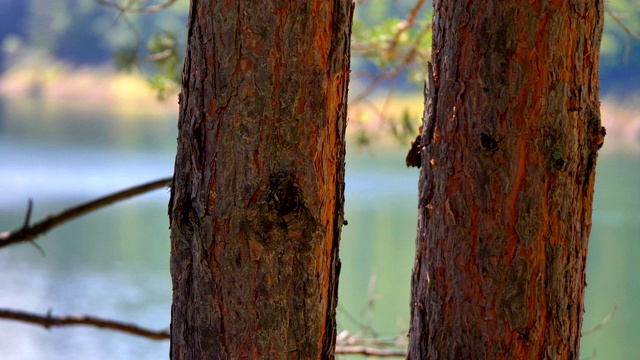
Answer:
(385, 33)
(43, 40)
(136, 35)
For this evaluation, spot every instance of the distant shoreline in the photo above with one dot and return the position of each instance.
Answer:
(96, 89)
(85, 87)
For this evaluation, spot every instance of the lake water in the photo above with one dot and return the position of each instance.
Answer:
(114, 263)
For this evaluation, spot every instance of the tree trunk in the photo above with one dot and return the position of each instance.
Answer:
(257, 200)
(510, 138)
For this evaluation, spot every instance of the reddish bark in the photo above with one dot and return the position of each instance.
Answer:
(257, 201)
(510, 142)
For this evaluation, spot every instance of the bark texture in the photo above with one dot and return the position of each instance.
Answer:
(510, 138)
(257, 200)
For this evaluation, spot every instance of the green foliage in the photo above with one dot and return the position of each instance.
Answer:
(404, 129)
(390, 48)
(163, 51)
(126, 58)
(156, 49)
(92, 31)
(617, 42)
(362, 138)
(394, 44)
(164, 84)
(161, 54)
(162, 42)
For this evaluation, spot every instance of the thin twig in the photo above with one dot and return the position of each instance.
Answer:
(393, 72)
(392, 46)
(364, 328)
(49, 320)
(614, 15)
(27, 218)
(408, 23)
(159, 56)
(369, 351)
(602, 323)
(30, 232)
(630, 33)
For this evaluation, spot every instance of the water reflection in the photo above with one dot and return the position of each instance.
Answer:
(114, 263)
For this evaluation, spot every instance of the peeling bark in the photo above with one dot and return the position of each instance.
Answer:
(257, 201)
(510, 138)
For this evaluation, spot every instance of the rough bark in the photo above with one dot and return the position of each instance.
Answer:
(510, 138)
(257, 200)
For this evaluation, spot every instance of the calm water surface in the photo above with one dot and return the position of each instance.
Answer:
(114, 263)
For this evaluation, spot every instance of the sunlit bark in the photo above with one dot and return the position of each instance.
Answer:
(510, 137)
(257, 201)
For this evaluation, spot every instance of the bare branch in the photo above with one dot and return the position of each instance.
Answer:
(616, 17)
(369, 351)
(49, 320)
(30, 232)
(392, 45)
(393, 72)
(602, 323)
(630, 33)
(163, 55)
(408, 23)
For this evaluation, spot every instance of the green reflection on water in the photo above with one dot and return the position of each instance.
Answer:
(34, 119)
(132, 238)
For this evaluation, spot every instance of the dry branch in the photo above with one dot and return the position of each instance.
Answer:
(602, 323)
(49, 320)
(409, 22)
(408, 58)
(29, 232)
(392, 46)
(630, 33)
(616, 17)
(369, 351)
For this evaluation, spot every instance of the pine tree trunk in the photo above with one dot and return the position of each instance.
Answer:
(510, 135)
(257, 200)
